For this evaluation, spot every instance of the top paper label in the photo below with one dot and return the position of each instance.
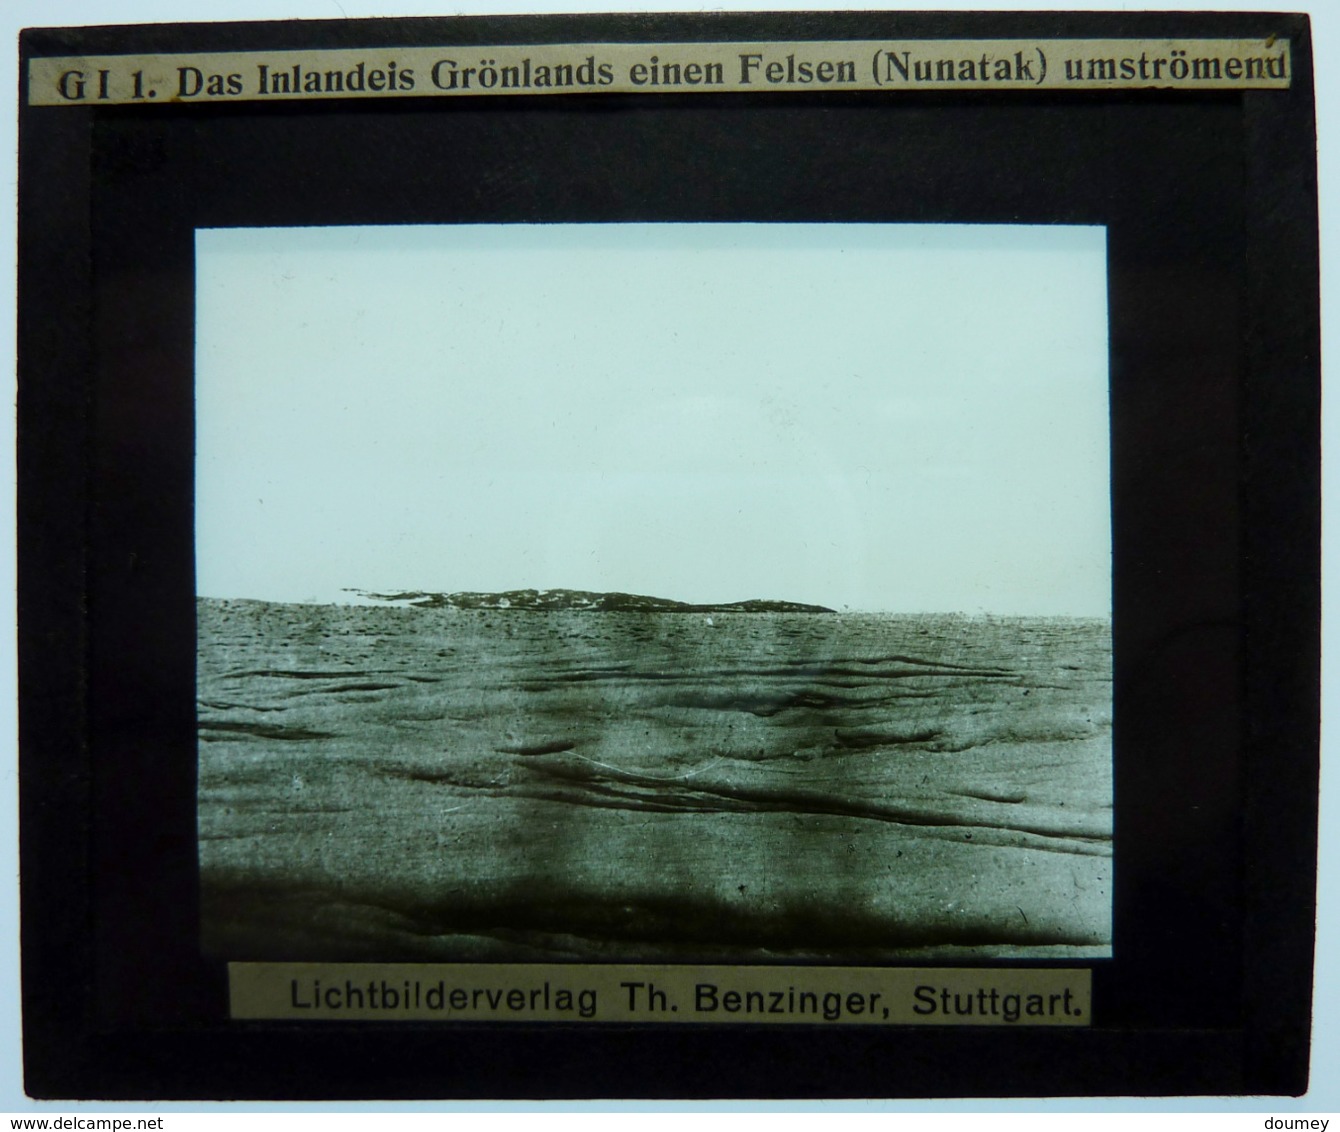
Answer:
(661, 68)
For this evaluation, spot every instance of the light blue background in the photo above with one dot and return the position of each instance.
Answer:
(904, 418)
(1325, 1093)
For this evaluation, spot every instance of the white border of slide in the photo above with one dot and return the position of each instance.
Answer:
(1231, 1113)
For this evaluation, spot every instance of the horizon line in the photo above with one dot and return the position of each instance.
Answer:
(374, 600)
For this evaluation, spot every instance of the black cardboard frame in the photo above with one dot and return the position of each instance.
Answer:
(1210, 204)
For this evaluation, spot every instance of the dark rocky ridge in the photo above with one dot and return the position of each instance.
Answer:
(548, 601)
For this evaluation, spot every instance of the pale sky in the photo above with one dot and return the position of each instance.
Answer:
(882, 417)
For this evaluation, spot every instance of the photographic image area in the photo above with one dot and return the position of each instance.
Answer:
(653, 592)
